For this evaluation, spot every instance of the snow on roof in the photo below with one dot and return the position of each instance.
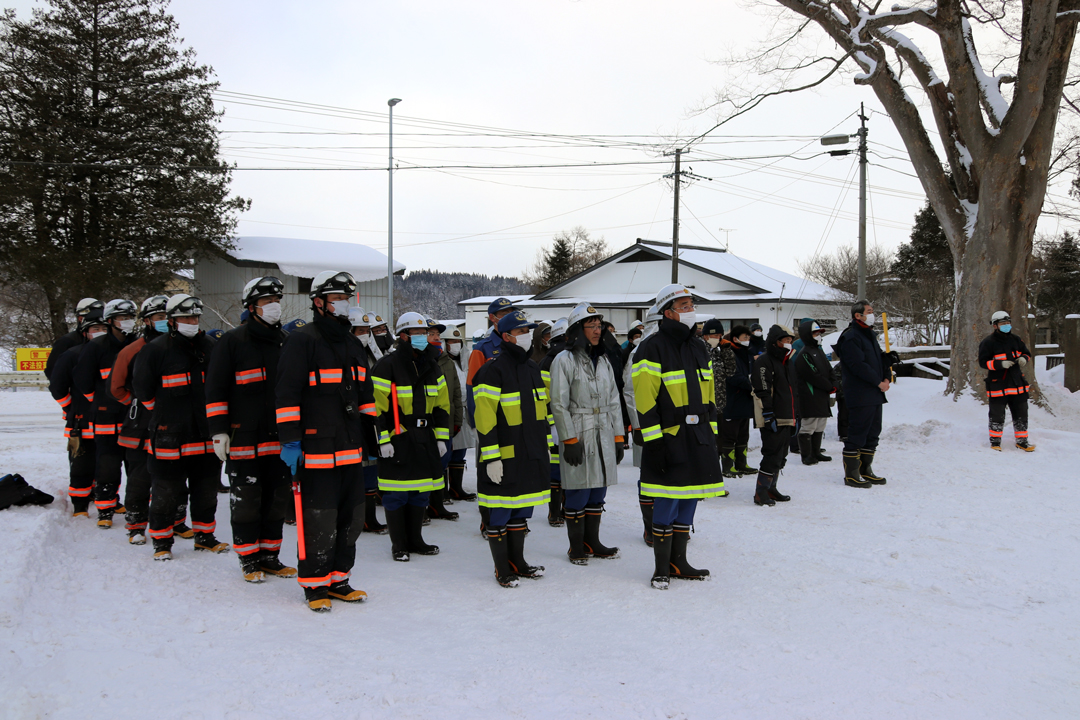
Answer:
(488, 299)
(308, 258)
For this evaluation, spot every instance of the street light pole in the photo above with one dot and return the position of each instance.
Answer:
(862, 205)
(390, 224)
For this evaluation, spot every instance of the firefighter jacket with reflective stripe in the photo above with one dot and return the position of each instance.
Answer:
(585, 407)
(673, 393)
(136, 425)
(240, 398)
(773, 378)
(92, 379)
(169, 379)
(321, 374)
(61, 346)
(413, 406)
(512, 423)
(62, 387)
(996, 348)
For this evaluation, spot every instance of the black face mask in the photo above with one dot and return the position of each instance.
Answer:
(384, 341)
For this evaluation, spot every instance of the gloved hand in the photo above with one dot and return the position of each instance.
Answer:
(574, 453)
(221, 446)
(1022, 360)
(619, 452)
(290, 455)
(457, 429)
(495, 471)
(892, 357)
(1007, 364)
(444, 447)
(386, 451)
(768, 419)
(638, 440)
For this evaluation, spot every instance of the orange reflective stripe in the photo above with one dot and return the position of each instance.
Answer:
(79, 492)
(160, 534)
(288, 414)
(175, 380)
(105, 372)
(246, 548)
(314, 581)
(167, 453)
(89, 396)
(330, 376)
(254, 375)
(269, 448)
(359, 373)
(270, 544)
(347, 457)
(203, 527)
(337, 576)
(104, 429)
(199, 448)
(318, 461)
(368, 409)
(218, 408)
(247, 452)
(65, 401)
(149, 404)
(128, 442)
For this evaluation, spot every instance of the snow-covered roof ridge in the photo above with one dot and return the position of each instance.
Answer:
(307, 258)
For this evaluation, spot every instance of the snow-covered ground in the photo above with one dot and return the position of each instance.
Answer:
(951, 592)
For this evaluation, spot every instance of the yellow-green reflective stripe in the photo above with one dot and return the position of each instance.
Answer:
(517, 501)
(646, 367)
(714, 430)
(506, 452)
(650, 433)
(380, 383)
(485, 391)
(676, 376)
(682, 493)
(384, 437)
(444, 434)
(673, 430)
(404, 391)
(491, 452)
(510, 399)
(418, 485)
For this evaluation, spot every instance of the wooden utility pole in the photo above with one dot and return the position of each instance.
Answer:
(677, 175)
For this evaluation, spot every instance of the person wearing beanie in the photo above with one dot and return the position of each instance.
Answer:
(773, 379)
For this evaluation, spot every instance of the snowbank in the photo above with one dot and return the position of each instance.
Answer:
(948, 593)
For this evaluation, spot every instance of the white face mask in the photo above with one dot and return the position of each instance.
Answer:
(757, 333)
(523, 341)
(868, 318)
(689, 319)
(786, 346)
(745, 343)
(271, 312)
(453, 348)
(713, 342)
(187, 330)
(96, 333)
(126, 326)
(340, 308)
(636, 341)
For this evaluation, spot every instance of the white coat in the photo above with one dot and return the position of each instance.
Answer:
(585, 405)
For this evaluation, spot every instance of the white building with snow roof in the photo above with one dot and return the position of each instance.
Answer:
(218, 281)
(624, 286)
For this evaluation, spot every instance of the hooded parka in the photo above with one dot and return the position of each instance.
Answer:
(774, 379)
(814, 372)
(585, 405)
(675, 400)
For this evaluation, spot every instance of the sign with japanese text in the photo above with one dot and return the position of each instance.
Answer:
(31, 359)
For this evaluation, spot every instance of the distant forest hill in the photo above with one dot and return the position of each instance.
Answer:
(437, 293)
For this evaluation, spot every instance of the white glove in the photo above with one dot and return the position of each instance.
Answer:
(221, 446)
(494, 471)
(1023, 361)
(1007, 364)
(386, 451)
(444, 447)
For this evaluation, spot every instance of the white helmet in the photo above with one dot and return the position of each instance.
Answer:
(410, 321)
(116, 308)
(183, 305)
(580, 313)
(635, 324)
(670, 293)
(559, 328)
(357, 317)
(153, 305)
(333, 281)
(373, 320)
(478, 336)
(85, 305)
(654, 314)
(999, 316)
(452, 332)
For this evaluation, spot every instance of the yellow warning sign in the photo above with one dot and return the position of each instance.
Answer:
(31, 359)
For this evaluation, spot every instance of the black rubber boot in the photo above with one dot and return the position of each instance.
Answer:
(740, 461)
(727, 462)
(500, 554)
(80, 507)
(415, 522)
(806, 450)
(399, 534)
(852, 475)
(271, 564)
(485, 513)
(371, 520)
(774, 493)
(515, 542)
(555, 508)
(816, 439)
(866, 457)
(680, 568)
(646, 504)
(206, 542)
(575, 531)
(436, 510)
(457, 472)
(163, 549)
(249, 568)
(764, 485)
(661, 546)
(318, 599)
(593, 546)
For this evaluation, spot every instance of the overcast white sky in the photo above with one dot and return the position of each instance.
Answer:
(596, 68)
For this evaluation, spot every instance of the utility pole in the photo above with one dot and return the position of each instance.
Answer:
(390, 222)
(727, 237)
(677, 176)
(862, 205)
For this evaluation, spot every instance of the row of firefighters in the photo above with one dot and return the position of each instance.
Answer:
(351, 419)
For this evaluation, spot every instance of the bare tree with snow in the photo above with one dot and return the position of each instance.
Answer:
(995, 126)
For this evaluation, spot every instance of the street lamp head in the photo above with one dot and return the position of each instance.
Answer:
(835, 139)
(393, 101)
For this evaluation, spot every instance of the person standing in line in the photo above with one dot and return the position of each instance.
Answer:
(1006, 357)
(773, 379)
(673, 392)
(722, 359)
(413, 405)
(738, 408)
(436, 498)
(588, 417)
(815, 386)
(645, 503)
(106, 413)
(757, 340)
(169, 376)
(65, 342)
(381, 333)
(541, 341)
(465, 435)
(556, 516)
(865, 372)
(361, 322)
(512, 422)
(324, 412)
(241, 407)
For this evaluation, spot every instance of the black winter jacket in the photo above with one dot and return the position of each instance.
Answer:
(61, 346)
(814, 372)
(76, 405)
(740, 393)
(321, 367)
(240, 399)
(92, 379)
(862, 366)
(997, 348)
(135, 428)
(773, 379)
(169, 379)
